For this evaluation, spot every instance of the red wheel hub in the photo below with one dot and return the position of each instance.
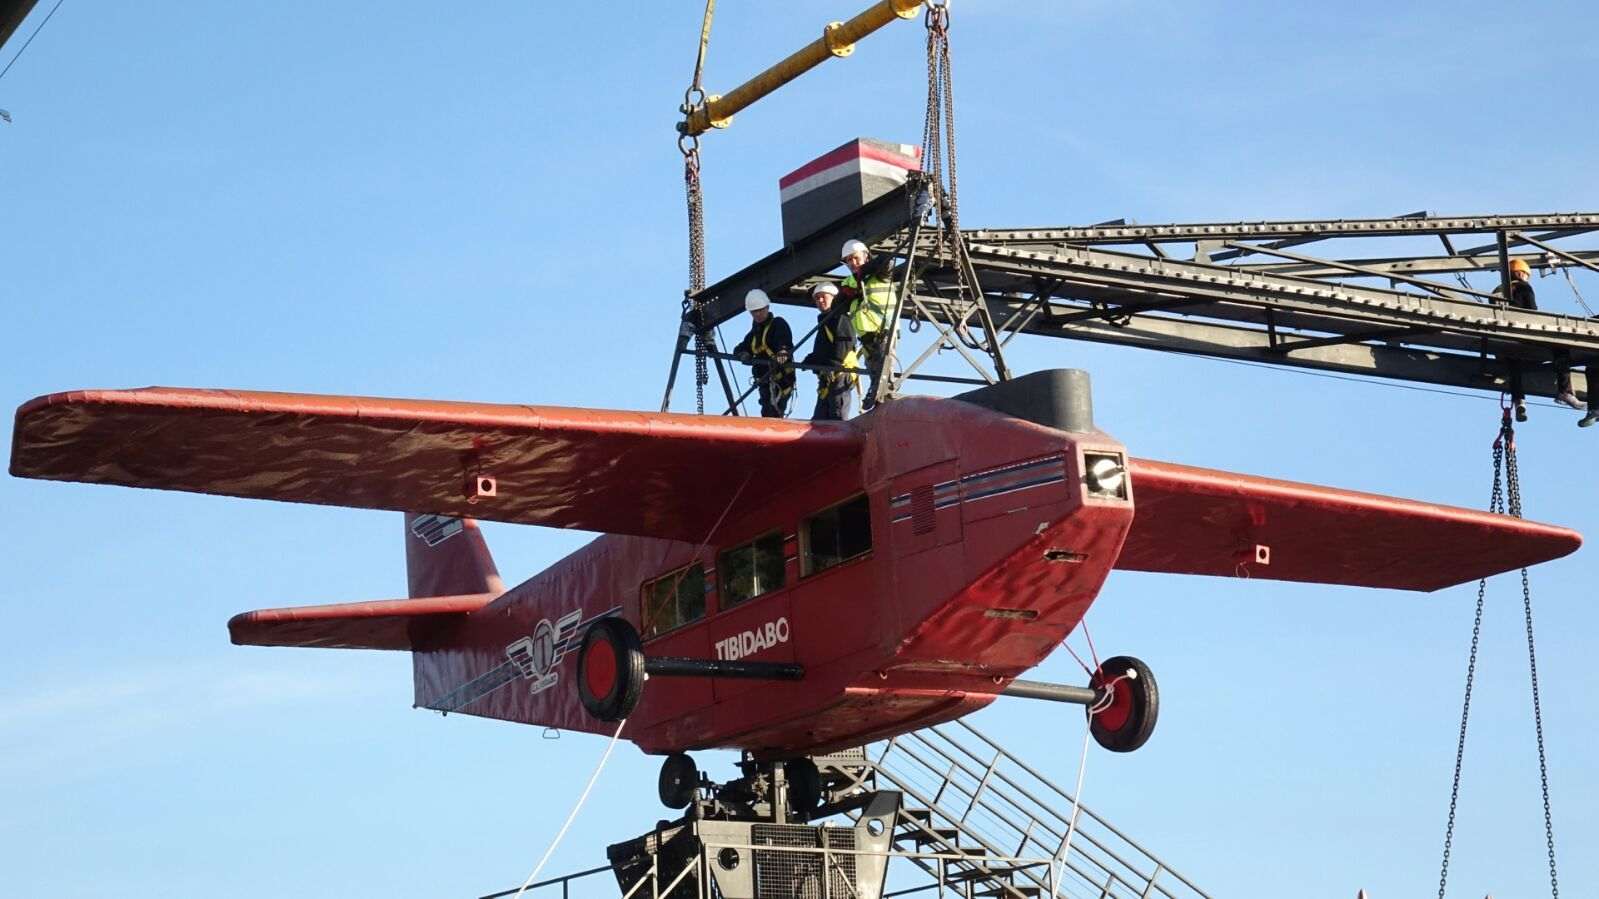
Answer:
(599, 670)
(1115, 715)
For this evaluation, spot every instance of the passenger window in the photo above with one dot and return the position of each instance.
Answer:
(836, 535)
(673, 600)
(752, 569)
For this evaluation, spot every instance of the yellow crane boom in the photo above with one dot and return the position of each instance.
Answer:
(838, 39)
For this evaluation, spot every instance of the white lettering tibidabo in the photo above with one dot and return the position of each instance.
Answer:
(752, 641)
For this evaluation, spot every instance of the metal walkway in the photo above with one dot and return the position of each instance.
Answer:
(977, 820)
(1371, 302)
(967, 798)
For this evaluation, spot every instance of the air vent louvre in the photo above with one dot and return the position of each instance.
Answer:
(923, 520)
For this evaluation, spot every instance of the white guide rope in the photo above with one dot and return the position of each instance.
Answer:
(575, 809)
(1059, 862)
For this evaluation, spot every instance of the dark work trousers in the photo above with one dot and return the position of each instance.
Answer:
(874, 344)
(832, 397)
(1560, 362)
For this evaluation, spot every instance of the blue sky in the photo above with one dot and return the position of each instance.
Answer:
(485, 203)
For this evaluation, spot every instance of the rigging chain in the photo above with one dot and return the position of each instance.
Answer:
(938, 150)
(1506, 475)
(689, 146)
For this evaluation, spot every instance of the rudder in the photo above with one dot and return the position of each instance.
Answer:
(447, 556)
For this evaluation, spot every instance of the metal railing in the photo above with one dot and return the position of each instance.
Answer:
(980, 821)
(972, 787)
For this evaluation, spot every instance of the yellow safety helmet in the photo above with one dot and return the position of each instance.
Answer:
(1520, 265)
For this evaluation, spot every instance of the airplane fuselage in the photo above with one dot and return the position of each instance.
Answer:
(911, 585)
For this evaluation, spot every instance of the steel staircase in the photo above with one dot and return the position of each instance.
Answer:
(987, 824)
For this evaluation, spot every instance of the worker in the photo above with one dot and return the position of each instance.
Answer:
(768, 349)
(835, 345)
(869, 290)
(1522, 296)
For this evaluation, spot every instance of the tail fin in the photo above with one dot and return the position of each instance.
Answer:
(446, 556)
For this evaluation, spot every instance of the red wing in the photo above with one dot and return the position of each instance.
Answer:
(386, 624)
(646, 474)
(1199, 521)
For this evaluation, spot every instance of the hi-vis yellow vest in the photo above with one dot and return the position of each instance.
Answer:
(871, 307)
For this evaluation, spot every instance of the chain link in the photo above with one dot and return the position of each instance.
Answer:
(694, 309)
(1496, 504)
(1504, 499)
(1513, 479)
(689, 146)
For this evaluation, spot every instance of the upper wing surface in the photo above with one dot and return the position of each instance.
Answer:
(1200, 521)
(647, 474)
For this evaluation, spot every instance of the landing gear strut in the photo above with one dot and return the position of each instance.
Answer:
(612, 668)
(1122, 701)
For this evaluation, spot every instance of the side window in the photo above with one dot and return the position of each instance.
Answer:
(835, 535)
(673, 600)
(751, 569)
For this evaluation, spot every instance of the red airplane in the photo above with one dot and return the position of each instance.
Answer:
(787, 588)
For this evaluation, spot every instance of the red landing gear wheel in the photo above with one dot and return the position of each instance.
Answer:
(1125, 721)
(679, 778)
(610, 669)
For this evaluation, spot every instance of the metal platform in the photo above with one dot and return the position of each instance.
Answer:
(961, 816)
(1371, 302)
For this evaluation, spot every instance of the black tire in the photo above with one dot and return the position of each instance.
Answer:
(1128, 721)
(610, 669)
(679, 778)
(804, 786)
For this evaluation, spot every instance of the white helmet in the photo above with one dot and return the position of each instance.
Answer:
(851, 247)
(827, 287)
(756, 299)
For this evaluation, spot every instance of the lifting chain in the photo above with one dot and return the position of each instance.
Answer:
(938, 151)
(689, 146)
(1506, 482)
(938, 125)
(693, 309)
(1513, 489)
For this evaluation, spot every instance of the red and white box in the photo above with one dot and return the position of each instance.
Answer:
(839, 182)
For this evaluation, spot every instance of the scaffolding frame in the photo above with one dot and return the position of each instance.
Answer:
(1367, 303)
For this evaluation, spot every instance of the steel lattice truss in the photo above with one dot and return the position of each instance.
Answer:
(1384, 297)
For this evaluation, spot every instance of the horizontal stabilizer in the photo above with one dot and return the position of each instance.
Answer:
(385, 624)
(1199, 521)
(645, 474)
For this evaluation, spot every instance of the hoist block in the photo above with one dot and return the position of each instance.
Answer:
(841, 181)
